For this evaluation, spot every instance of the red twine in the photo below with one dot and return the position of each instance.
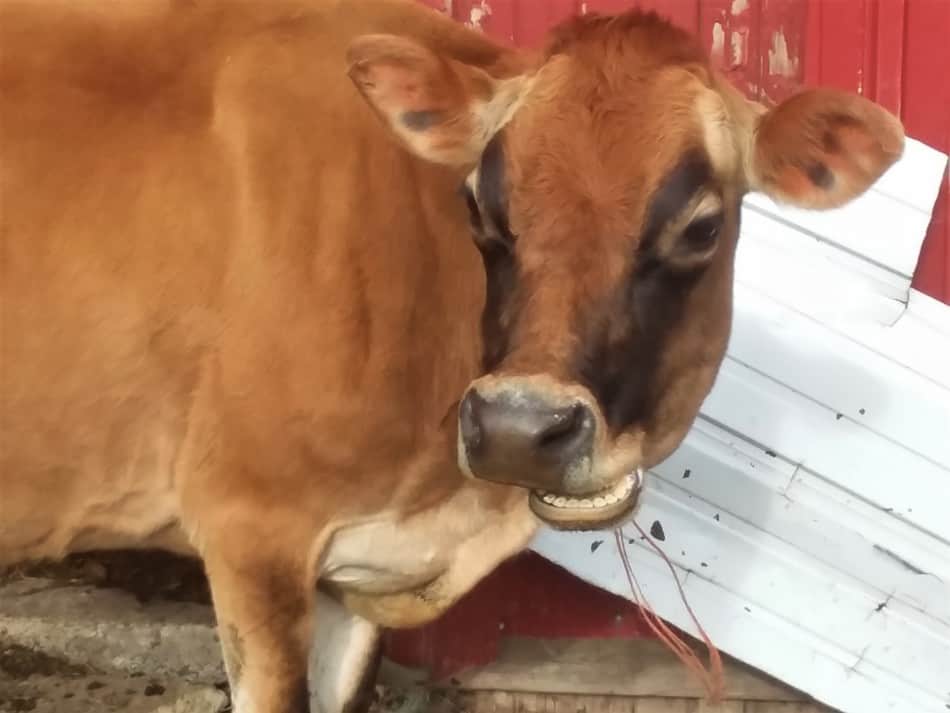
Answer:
(710, 678)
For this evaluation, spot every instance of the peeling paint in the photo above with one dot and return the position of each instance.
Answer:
(718, 40)
(780, 63)
(478, 14)
(738, 43)
(739, 7)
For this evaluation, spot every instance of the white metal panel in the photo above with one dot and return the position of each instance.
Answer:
(843, 451)
(816, 277)
(808, 510)
(919, 341)
(819, 363)
(887, 224)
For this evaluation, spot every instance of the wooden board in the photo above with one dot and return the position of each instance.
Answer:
(505, 702)
(617, 667)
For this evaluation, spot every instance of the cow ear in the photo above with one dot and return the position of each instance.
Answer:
(444, 110)
(821, 148)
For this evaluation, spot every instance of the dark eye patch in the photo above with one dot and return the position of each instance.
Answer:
(492, 190)
(691, 174)
(488, 214)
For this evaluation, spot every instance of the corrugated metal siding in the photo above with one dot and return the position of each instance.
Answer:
(892, 51)
(896, 52)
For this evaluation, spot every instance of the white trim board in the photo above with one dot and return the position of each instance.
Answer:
(808, 509)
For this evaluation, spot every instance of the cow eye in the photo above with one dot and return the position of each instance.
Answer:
(474, 214)
(486, 237)
(702, 234)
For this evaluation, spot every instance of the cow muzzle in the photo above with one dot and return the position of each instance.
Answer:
(548, 441)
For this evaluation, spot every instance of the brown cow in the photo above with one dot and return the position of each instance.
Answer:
(244, 318)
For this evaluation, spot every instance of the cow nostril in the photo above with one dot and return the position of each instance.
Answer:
(564, 425)
(521, 439)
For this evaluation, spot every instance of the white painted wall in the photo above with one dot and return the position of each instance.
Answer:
(813, 530)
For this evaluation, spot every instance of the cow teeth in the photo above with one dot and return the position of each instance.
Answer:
(617, 494)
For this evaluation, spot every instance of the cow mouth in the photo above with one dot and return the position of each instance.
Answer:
(597, 511)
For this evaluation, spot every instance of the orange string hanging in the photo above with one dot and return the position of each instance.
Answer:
(712, 678)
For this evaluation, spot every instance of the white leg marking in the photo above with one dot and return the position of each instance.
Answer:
(240, 702)
(343, 648)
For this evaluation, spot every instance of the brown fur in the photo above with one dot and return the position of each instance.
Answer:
(238, 316)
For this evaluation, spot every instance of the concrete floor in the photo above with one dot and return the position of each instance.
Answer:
(137, 635)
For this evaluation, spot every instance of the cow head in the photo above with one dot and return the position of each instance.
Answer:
(605, 188)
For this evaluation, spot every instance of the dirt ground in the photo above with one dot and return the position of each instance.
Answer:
(149, 576)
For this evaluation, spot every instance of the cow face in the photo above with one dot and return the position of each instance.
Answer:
(604, 193)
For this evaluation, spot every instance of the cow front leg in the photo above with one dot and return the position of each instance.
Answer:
(344, 660)
(264, 610)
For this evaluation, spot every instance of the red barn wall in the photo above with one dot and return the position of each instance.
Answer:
(896, 52)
